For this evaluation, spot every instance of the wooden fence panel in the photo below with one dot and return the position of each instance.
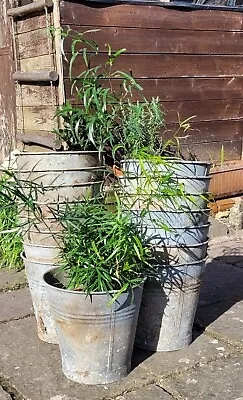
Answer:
(192, 60)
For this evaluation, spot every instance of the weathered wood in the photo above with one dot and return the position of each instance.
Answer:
(36, 76)
(148, 17)
(49, 140)
(58, 53)
(211, 151)
(37, 119)
(34, 21)
(179, 89)
(7, 93)
(29, 8)
(207, 131)
(163, 41)
(35, 95)
(41, 63)
(169, 65)
(38, 43)
(204, 110)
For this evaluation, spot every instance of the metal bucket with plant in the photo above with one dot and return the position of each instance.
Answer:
(95, 294)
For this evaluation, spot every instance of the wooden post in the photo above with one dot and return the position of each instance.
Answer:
(29, 8)
(36, 76)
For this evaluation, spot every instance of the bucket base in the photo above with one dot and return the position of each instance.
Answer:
(95, 378)
(174, 345)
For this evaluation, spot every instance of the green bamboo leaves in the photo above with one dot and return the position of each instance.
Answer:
(103, 250)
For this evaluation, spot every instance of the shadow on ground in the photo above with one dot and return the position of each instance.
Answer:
(222, 287)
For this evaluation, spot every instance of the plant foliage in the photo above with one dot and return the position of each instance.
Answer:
(103, 249)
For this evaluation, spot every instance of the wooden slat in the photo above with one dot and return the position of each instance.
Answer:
(40, 63)
(211, 151)
(204, 110)
(203, 132)
(37, 119)
(173, 65)
(38, 43)
(33, 22)
(164, 41)
(148, 17)
(179, 89)
(36, 95)
(46, 139)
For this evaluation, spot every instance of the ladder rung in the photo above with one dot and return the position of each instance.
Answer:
(29, 8)
(36, 76)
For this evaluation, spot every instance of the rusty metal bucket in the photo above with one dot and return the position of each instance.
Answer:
(45, 323)
(95, 338)
(168, 307)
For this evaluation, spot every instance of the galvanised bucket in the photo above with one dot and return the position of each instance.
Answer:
(61, 175)
(95, 338)
(41, 253)
(178, 236)
(149, 176)
(174, 255)
(195, 186)
(177, 167)
(45, 323)
(180, 219)
(168, 308)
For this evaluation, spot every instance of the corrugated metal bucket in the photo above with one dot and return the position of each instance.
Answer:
(180, 219)
(173, 255)
(96, 339)
(45, 323)
(64, 175)
(147, 176)
(177, 167)
(41, 253)
(168, 308)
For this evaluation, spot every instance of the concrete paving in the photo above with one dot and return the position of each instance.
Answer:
(210, 368)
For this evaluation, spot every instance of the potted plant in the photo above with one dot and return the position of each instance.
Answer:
(86, 132)
(95, 294)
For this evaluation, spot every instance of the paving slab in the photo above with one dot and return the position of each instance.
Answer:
(10, 279)
(4, 395)
(203, 349)
(14, 305)
(34, 368)
(148, 393)
(230, 247)
(221, 379)
(221, 282)
(228, 327)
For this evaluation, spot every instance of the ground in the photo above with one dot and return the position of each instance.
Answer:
(210, 368)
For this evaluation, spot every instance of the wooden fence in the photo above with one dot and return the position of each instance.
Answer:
(191, 59)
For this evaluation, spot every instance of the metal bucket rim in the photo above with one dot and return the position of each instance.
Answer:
(97, 168)
(36, 262)
(57, 153)
(203, 210)
(73, 185)
(198, 262)
(77, 292)
(178, 161)
(182, 246)
(40, 245)
(190, 227)
(191, 177)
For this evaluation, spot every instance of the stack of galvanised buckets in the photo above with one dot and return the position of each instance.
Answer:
(170, 296)
(61, 177)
